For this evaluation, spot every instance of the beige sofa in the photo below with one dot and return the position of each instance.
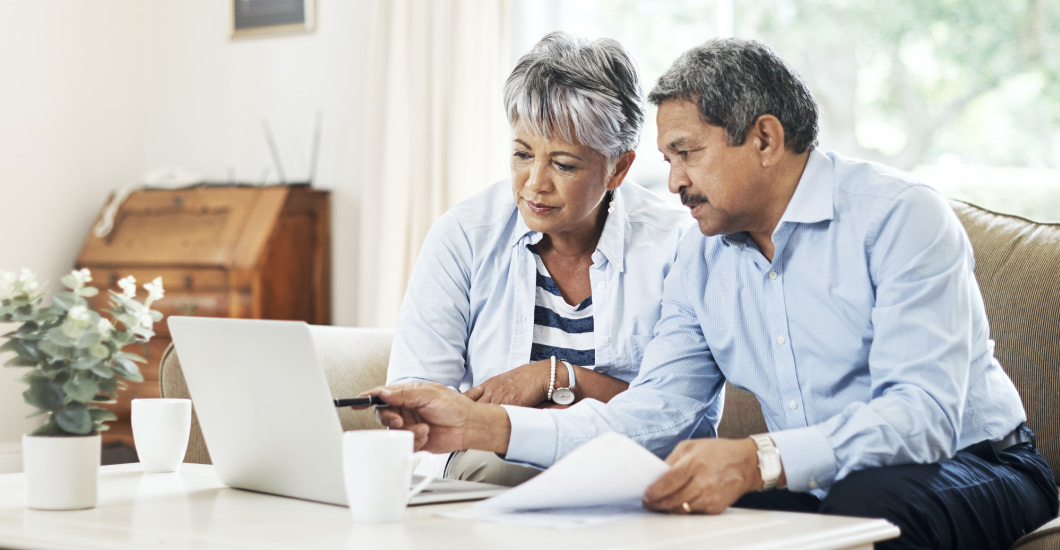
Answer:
(1017, 262)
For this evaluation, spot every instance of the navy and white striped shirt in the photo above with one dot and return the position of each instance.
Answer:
(469, 311)
(560, 329)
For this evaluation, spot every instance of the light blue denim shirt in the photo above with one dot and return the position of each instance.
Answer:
(865, 339)
(468, 312)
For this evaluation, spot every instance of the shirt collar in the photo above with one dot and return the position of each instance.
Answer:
(612, 241)
(812, 201)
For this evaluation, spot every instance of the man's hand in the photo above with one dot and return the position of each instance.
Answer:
(443, 420)
(707, 474)
(525, 386)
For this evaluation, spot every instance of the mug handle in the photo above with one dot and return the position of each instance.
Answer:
(416, 459)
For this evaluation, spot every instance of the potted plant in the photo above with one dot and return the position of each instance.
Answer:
(76, 363)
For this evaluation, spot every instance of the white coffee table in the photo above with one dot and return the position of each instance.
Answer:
(192, 509)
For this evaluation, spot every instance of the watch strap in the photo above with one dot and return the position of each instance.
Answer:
(570, 375)
(768, 460)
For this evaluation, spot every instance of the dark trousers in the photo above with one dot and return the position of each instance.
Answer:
(980, 498)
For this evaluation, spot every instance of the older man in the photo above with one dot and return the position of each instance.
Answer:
(840, 293)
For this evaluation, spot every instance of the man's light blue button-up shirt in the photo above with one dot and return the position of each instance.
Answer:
(865, 339)
(468, 313)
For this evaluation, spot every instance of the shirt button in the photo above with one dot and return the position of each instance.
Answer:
(606, 338)
(781, 340)
(773, 275)
(793, 405)
(602, 286)
(813, 483)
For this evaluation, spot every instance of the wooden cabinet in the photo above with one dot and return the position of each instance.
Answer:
(222, 251)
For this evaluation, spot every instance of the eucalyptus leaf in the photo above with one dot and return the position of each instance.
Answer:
(66, 300)
(53, 350)
(156, 315)
(89, 339)
(101, 415)
(36, 374)
(71, 331)
(75, 419)
(58, 338)
(84, 363)
(27, 351)
(30, 331)
(18, 361)
(132, 357)
(49, 428)
(81, 388)
(102, 370)
(69, 281)
(88, 291)
(99, 351)
(46, 395)
(127, 369)
(109, 385)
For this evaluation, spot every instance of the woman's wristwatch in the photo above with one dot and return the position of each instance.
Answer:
(565, 396)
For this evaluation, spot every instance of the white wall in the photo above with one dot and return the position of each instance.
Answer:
(96, 93)
(72, 127)
(209, 94)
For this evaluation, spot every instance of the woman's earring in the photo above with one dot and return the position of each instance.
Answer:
(611, 204)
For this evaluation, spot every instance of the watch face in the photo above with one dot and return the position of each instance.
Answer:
(563, 396)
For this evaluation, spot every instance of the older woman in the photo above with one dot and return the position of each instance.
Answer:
(542, 291)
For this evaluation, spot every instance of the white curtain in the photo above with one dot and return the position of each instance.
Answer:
(436, 132)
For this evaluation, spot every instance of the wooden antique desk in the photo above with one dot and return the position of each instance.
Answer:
(222, 251)
(192, 509)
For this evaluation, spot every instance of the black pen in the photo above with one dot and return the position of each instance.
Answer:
(361, 401)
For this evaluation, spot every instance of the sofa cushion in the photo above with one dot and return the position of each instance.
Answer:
(742, 414)
(1016, 263)
(1046, 537)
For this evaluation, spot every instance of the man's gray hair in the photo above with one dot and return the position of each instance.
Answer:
(734, 82)
(584, 92)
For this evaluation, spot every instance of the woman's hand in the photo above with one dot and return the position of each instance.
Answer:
(525, 386)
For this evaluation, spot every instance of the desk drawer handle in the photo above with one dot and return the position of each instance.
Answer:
(187, 307)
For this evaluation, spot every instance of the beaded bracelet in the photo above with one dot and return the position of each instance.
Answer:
(552, 379)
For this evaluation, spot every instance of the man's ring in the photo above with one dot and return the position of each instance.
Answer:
(686, 507)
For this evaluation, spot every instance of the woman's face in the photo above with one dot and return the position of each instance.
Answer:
(559, 186)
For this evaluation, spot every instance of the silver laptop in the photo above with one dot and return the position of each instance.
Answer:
(267, 413)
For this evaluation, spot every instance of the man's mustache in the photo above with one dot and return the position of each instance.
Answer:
(687, 199)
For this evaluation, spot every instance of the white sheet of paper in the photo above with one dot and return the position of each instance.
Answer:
(607, 471)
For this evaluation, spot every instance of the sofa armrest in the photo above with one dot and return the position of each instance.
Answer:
(353, 359)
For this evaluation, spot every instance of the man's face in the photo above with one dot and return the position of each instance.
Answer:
(718, 182)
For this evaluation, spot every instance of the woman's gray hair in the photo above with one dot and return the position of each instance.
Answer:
(585, 92)
(734, 82)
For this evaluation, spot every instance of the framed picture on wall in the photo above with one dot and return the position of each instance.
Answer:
(258, 17)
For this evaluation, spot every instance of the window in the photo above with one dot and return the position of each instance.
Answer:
(963, 93)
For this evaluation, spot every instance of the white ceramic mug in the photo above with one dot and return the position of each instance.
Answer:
(160, 429)
(378, 465)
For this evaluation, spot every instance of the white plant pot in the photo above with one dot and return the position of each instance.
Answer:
(61, 472)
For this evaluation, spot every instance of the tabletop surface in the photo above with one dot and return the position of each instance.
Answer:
(193, 509)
